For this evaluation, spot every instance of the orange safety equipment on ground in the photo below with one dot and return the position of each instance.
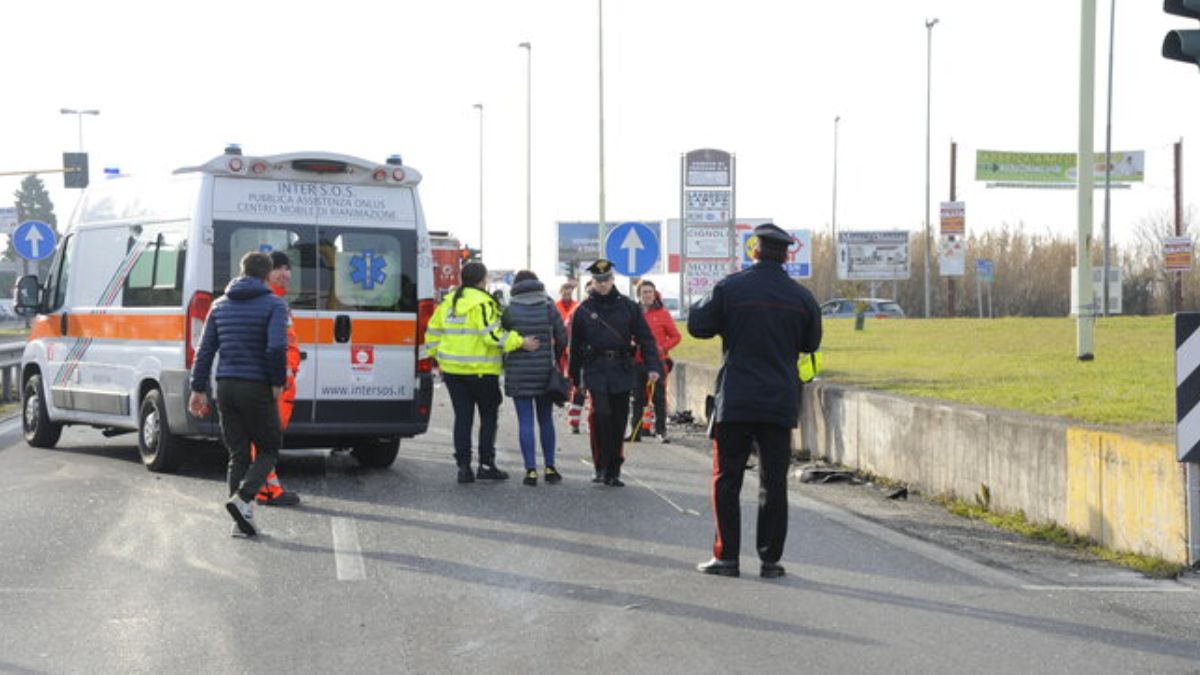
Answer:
(272, 488)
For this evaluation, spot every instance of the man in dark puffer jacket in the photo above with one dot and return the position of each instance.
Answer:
(531, 312)
(248, 327)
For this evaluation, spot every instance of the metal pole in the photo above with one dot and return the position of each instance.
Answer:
(929, 24)
(1085, 311)
(600, 26)
(1108, 165)
(951, 296)
(683, 299)
(528, 47)
(833, 219)
(1192, 472)
(479, 107)
(1177, 296)
(79, 116)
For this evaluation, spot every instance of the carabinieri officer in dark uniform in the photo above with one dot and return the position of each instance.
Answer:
(765, 320)
(605, 330)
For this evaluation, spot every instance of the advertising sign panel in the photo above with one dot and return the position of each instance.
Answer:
(8, 219)
(714, 207)
(952, 256)
(1177, 253)
(707, 168)
(879, 255)
(1054, 169)
(799, 263)
(954, 218)
(707, 241)
(701, 275)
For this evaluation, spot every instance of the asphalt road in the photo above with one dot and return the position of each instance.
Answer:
(105, 567)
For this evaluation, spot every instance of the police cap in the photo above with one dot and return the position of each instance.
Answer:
(770, 233)
(601, 270)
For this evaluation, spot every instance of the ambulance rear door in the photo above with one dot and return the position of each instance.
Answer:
(366, 342)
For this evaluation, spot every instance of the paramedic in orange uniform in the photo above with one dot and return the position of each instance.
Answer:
(272, 493)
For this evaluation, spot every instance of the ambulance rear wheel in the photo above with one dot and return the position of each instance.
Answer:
(40, 432)
(161, 451)
(376, 453)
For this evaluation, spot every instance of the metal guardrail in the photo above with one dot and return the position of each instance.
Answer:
(10, 370)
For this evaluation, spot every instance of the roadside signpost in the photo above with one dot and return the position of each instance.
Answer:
(1187, 418)
(633, 249)
(34, 240)
(985, 273)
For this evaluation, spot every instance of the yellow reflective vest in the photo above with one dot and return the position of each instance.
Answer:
(810, 366)
(466, 337)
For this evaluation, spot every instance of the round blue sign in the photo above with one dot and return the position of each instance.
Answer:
(633, 249)
(34, 240)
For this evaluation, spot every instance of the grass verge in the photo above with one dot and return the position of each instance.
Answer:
(1056, 534)
(1022, 364)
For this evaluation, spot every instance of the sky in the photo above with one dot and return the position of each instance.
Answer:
(764, 79)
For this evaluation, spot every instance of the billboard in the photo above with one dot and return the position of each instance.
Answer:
(710, 207)
(579, 243)
(799, 262)
(1054, 169)
(952, 256)
(707, 168)
(878, 255)
(1177, 253)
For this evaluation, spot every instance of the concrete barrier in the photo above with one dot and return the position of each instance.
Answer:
(1126, 494)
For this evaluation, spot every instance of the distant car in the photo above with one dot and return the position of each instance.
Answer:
(672, 305)
(845, 308)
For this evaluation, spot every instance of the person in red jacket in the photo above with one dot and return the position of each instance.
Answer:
(272, 492)
(566, 300)
(666, 336)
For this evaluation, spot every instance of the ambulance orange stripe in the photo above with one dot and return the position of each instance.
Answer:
(45, 326)
(362, 331)
(162, 327)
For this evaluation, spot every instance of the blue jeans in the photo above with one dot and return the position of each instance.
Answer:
(545, 418)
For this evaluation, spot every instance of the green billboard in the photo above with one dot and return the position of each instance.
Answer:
(1053, 169)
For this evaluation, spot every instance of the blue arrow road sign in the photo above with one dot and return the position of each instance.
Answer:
(633, 248)
(34, 240)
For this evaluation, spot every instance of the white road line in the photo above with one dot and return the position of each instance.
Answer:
(1113, 589)
(639, 481)
(347, 554)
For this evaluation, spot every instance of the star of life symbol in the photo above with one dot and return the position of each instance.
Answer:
(366, 270)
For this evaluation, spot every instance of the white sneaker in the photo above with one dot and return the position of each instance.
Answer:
(243, 515)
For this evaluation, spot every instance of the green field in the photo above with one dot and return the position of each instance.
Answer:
(1014, 363)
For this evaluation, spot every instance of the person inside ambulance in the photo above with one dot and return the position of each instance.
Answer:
(280, 279)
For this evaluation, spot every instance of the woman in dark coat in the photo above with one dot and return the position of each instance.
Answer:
(531, 312)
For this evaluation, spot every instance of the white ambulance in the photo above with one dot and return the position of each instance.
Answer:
(120, 315)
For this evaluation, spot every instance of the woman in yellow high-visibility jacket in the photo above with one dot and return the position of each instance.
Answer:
(465, 336)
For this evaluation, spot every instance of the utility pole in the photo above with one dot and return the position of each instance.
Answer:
(1108, 164)
(929, 24)
(833, 219)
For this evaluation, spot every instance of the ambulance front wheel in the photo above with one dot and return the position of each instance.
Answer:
(377, 453)
(161, 451)
(40, 432)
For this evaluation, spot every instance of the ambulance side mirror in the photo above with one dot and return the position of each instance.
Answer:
(27, 296)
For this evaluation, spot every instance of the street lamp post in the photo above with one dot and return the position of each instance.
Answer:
(79, 114)
(929, 24)
(479, 107)
(833, 218)
(1112, 31)
(600, 40)
(528, 153)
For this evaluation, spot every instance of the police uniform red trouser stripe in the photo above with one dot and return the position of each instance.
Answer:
(734, 441)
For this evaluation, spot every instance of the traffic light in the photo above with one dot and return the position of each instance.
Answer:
(75, 169)
(1182, 45)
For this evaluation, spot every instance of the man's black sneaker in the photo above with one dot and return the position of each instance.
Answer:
(614, 481)
(662, 438)
(598, 478)
(771, 570)
(285, 498)
(724, 568)
(530, 477)
(466, 475)
(490, 472)
(552, 475)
